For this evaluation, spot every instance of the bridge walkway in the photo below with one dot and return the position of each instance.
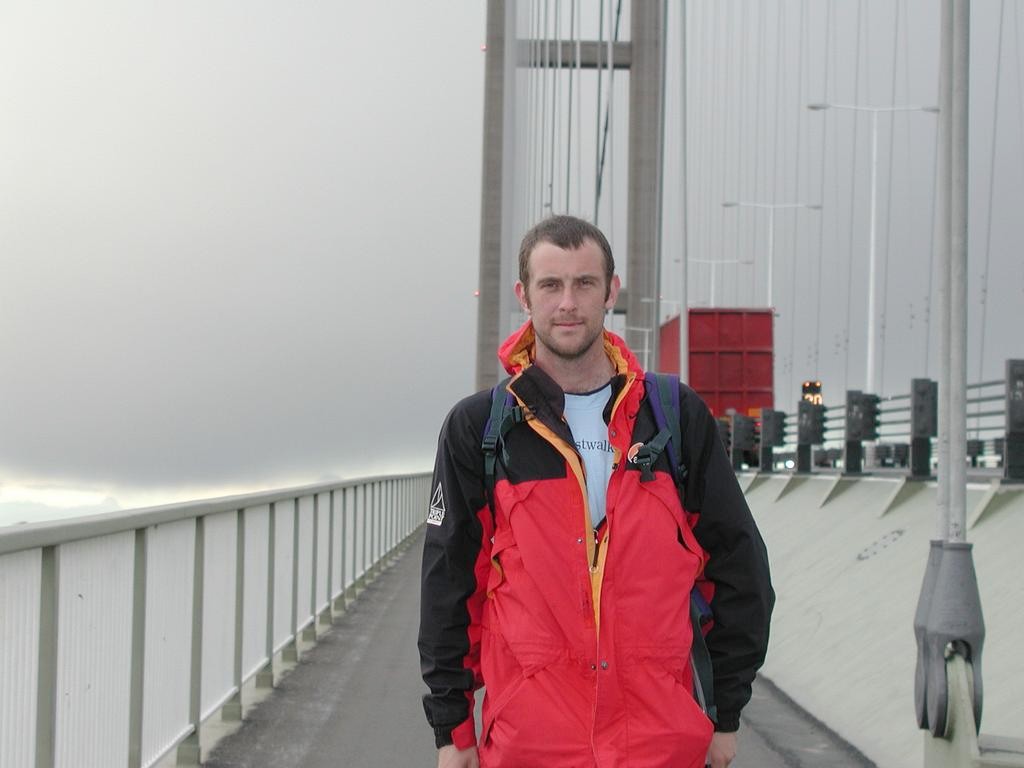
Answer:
(353, 700)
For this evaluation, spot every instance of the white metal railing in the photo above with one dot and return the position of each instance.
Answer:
(121, 633)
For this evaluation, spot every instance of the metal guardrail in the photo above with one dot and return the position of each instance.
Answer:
(122, 633)
(987, 429)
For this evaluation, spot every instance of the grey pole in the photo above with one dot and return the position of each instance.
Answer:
(957, 309)
(489, 298)
(684, 304)
(942, 239)
(646, 96)
(950, 599)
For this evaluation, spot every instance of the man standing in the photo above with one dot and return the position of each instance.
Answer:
(565, 587)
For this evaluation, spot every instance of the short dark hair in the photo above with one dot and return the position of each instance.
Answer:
(568, 232)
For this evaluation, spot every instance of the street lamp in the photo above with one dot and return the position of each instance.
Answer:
(871, 385)
(714, 263)
(771, 208)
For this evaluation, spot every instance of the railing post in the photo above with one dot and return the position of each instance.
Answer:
(291, 652)
(328, 612)
(232, 710)
(189, 749)
(346, 537)
(265, 677)
(138, 662)
(309, 633)
(364, 507)
(46, 686)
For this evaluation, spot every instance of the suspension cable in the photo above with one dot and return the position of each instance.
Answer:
(991, 197)
(1020, 96)
(609, 112)
(853, 195)
(568, 131)
(597, 117)
(603, 134)
(579, 110)
(821, 191)
(887, 238)
(556, 106)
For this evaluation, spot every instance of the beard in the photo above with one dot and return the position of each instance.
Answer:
(569, 349)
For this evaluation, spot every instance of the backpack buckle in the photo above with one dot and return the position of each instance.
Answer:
(644, 458)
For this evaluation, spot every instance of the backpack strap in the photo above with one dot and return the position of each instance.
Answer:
(663, 395)
(700, 657)
(505, 414)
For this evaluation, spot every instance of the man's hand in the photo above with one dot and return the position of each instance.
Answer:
(451, 757)
(722, 750)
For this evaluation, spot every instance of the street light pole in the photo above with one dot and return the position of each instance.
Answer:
(871, 385)
(771, 208)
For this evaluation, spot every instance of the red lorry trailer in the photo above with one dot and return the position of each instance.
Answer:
(731, 355)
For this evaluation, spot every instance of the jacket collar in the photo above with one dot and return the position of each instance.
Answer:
(540, 393)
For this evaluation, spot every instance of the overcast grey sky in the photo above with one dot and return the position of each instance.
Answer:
(239, 241)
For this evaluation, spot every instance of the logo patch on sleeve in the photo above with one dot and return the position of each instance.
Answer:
(437, 509)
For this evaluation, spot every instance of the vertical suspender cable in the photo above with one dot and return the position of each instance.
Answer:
(579, 109)
(604, 153)
(773, 180)
(821, 191)
(1020, 97)
(887, 238)
(684, 349)
(991, 199)
(531, 91)
(712, 180)
(853, 197)
(597, 117)
(755, 190)
(545, 200)
(608, 126)
(658, 251)
(742, 151)
(931, 260)
(568, 131)
(556, 98)
(797, 156)
(933, 247)
(730, 250)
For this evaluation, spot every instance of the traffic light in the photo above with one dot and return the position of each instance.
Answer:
(742, 433)
(871, 418)
(862, 416)
(811, 392)
(773, 427)
(924, 408)
(810, 423)
(854, 416)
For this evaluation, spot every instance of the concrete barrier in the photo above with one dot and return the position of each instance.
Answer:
(848, 557)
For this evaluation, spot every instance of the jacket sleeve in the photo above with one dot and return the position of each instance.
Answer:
(456, 555)
(737, 566)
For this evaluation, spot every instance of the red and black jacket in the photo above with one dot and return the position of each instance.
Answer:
(581, 637)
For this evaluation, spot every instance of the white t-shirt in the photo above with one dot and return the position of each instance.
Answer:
(585, 416)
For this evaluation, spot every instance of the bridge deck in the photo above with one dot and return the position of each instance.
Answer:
(354, 701)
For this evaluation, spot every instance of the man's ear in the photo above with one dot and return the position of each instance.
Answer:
(524, 299)
(613, 292)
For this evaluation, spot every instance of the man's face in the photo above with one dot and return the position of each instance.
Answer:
(567, 297)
